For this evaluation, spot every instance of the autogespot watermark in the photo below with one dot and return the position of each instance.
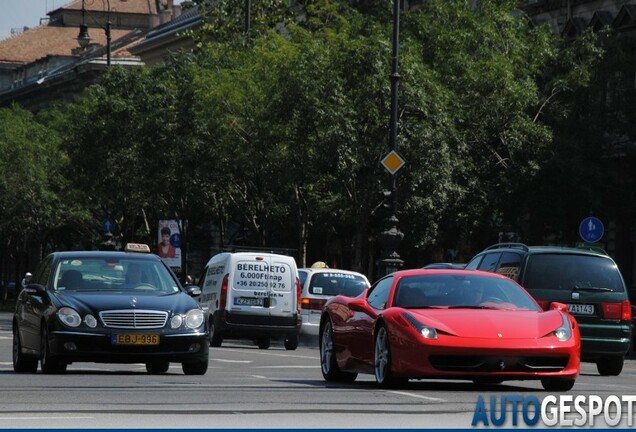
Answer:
(554, 410)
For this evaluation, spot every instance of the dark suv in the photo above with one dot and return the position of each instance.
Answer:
(588, 281)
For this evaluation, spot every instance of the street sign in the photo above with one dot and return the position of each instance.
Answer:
(393, 162)
(107, 225)
(591, 229)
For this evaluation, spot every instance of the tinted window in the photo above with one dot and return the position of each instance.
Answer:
(461, 291)
(509, 265)
(474, 263)
(41, 276)
(489, 263)
(564, 272)
(334, 283)
(379, 294)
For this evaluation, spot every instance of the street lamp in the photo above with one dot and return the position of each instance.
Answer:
(391, 238)
(83, 38)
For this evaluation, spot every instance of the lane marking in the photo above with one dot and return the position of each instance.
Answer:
(231, 361)
(287, 367)
(45, 418)
(418, 396)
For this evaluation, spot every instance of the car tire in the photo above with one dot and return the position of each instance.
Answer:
(21, 362)
(195, 368)
(557, 384)
(328, 363)
(382, 361)
(216, 337)
(49, 363)
(263, 342)
(157, 367)
(291, 342)
(610, 366)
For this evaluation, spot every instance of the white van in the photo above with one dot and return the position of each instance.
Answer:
(251, 295)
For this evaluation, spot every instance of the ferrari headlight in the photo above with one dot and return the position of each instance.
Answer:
(428, 332)
(564, 333)
(194, 318)
(90, 321)
(69, 317)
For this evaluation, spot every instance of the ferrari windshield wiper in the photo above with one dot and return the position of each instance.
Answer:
(590, 288)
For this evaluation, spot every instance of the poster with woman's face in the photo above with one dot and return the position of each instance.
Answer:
(169, 243)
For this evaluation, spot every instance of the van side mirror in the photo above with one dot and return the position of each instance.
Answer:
(559, 306)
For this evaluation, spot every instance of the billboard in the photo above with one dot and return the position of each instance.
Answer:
(169, 243)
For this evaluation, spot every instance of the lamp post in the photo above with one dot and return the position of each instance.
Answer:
(83, 38)
(391, 238)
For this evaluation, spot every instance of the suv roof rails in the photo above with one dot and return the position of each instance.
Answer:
(594, 249)
(509, 245)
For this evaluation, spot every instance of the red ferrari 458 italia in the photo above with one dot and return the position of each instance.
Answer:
(452, 324)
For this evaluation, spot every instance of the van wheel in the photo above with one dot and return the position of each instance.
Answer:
(611, 366)
(216, 338)
(291, 342)
(263, 342)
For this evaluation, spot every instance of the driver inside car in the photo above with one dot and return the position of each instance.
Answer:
(133, 275)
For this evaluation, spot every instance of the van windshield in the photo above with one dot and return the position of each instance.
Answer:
(569, 272)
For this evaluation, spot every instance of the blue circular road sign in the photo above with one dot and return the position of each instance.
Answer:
(591, 229)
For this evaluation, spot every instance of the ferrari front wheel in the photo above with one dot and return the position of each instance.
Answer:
(328, 363)
(557, 384)
(382, 360)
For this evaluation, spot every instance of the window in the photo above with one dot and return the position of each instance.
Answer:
(379, 293)
(489, 263)
(509, 265)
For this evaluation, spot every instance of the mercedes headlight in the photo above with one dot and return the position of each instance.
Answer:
(69, 317)
(194, 318)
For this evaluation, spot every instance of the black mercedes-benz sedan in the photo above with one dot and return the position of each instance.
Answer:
(108, 307)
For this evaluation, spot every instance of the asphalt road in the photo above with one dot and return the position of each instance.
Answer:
(250, 388)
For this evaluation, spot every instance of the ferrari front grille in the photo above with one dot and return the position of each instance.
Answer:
(134, 319)
(499, 364)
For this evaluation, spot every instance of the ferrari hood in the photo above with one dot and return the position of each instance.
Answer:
(96, 302)
(487, 323)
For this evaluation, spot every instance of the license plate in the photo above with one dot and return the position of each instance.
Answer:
(581, 309)
(135, 339)
(248, 301)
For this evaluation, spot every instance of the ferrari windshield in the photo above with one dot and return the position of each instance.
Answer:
(116, 275)
(461, 291)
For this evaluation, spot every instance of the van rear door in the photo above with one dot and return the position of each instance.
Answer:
(263, 284)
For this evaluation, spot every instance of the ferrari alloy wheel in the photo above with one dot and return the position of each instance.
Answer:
(195, 368)
(157, 367)
(382, 360)
(557, 384)
(48, 363)
(610, 366)
(22, 363)
(216, 338)
(328, 364)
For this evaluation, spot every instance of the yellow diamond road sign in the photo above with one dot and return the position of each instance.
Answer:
(393, 162)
